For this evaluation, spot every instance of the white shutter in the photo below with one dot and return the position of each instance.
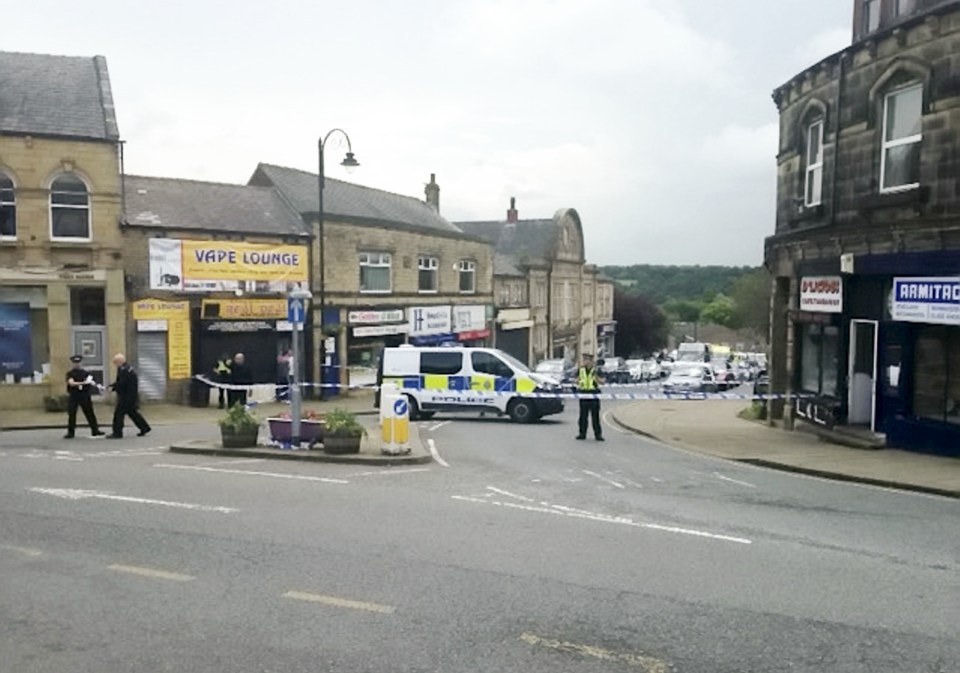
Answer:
(152, 364)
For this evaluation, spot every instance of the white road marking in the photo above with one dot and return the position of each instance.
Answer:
(376, 473)
(435, 453)
(340, 602)
(509, 494)
(254, 473)
(80, 494)
(238, 461)
(151, 572)
(437, 426)
(734, 481)
(656, 479)
(26, 551)
(644, 662)
(560, 510)
(602, 478)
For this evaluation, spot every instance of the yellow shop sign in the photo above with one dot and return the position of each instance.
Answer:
(245, 309)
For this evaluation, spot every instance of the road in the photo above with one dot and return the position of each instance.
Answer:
(523, 550)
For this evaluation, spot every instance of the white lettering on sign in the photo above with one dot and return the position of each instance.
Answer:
(374, 317)
(821, 294)
(926, 300)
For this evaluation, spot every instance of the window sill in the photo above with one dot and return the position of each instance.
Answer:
(67, 242)
(427, 291)
(376, 291)
(915, 198)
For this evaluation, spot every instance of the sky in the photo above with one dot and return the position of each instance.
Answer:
(653, 119)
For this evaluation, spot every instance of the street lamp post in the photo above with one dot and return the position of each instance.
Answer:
(349, 162)
(302, 303)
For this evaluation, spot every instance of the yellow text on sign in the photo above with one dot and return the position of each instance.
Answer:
(158, 309)
(246, 309)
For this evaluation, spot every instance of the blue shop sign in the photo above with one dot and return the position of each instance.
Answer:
(926, 300)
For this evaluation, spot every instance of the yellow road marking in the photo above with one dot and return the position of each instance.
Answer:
(152, 572)
(642, 661)
(26, 551)
(340, 602)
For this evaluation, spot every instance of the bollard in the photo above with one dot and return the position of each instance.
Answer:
(394, 421)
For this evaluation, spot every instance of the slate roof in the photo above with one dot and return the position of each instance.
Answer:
(531, 239)
(349, 201)
(67, 96)
(505, 265)
(171, 203)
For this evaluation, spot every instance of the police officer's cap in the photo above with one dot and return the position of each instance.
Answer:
(76, 358)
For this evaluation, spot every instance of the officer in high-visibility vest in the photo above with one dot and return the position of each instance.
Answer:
(588, 381)
(222, 374)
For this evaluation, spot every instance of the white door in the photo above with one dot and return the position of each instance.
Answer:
(862, 374)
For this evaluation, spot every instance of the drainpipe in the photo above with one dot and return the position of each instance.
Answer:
(836, 140)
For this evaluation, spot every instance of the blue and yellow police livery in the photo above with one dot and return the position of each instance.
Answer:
(468, 379)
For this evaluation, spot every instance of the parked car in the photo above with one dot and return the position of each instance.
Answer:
(561, 370)
(690, 378)
(643, 370)
(615, 370)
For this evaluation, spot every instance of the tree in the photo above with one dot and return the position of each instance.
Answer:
(684, 310)
(721, 311)
(641, 325)
(751, 293)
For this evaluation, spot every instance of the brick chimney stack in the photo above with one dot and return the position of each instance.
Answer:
(432, 190)
(512, 213)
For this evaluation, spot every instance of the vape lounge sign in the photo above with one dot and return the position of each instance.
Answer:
(926, 300)
(821, 294)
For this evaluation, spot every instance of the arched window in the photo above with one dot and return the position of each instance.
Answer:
(69, 208)
(8, 208)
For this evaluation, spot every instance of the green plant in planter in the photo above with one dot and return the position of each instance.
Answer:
(343, 433)
(239, 428)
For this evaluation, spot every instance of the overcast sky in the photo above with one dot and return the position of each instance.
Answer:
(652, 119)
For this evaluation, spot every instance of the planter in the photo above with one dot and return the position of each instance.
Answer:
(340, 444)
(245, 438)
(311, 432)
(56, 403)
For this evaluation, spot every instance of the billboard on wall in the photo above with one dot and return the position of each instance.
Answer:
(204, 266)
(15, 355)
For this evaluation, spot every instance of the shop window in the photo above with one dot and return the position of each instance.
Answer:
(468, 276)
(427, 274)
(375, 272)
(902, 135)
(446, 362)
(813, 187)
(25, 335)
(69, 209)
(936, 382)
(87, 306)
(819, 347)
(8, 208)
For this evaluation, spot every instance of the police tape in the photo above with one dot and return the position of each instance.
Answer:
(477, 395)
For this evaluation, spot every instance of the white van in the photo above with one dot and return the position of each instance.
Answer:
(467, 379)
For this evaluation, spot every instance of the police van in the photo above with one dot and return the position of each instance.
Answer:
(467, 379)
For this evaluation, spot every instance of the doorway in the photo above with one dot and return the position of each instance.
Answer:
(862, 378)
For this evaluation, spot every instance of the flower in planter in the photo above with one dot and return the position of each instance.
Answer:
(239, 419)
(343, 423)
(305, 415)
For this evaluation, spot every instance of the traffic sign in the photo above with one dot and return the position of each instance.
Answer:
(295, 310)
(400, 407)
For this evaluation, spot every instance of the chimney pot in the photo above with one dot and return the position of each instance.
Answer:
(432, 191)
(512, 213)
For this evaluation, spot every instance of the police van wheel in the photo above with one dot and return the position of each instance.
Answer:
(427, 415)
(414, 411)
(521, 411)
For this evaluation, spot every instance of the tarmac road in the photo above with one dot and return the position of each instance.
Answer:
(522, 549)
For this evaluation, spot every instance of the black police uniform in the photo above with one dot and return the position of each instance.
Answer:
(125, 385)
(79, 396)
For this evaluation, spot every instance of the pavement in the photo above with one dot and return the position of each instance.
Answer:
(161, 414)
(714, 427)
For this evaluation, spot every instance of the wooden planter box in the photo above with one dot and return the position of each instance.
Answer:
(311, 432)
(340, 444)
(246, 439)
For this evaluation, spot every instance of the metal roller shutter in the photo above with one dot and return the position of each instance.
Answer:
(152, 364)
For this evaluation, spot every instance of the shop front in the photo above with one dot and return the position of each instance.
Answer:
(370, 330)
(817, 326)
(470, 326)
(513, 326)
(430, 325)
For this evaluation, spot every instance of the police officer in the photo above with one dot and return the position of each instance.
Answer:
(588, 381)
(222, 374)
(80, 385)
(125, 385)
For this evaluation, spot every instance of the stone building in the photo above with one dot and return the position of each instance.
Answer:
(395, 271)
(208, 267)
(61, 257)
(865, 320)
(568, 306)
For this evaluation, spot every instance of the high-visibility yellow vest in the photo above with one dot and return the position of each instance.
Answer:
(223, 367)
(586, 379)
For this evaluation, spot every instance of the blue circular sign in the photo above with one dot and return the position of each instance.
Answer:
(400, 407)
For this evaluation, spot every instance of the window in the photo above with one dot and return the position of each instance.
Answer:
(902, 7)
(468, 276)
(900, 159)
(871, 15)
(375, 272)
(588, 294)
(88, 306)
(936, 376)
(428, 273)
(8, 208)
(69, 208)
(818, 359)
(487, 363)
(447, 363)
(814, 159)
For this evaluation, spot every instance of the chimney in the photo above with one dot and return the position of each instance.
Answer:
(432, 190)
(512, 213)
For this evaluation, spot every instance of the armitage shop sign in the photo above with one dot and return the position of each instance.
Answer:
(926, 300)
